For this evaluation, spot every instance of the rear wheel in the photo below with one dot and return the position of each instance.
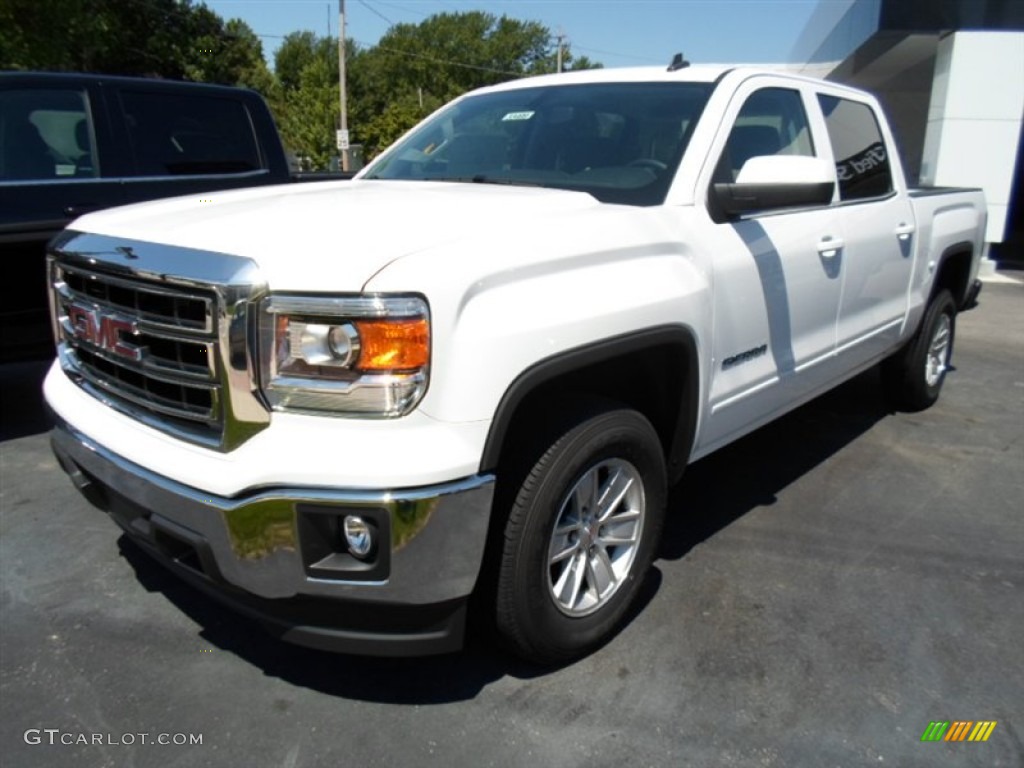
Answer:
(913, 377)
(581, 534)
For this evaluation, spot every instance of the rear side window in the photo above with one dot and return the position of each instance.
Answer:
(185, 134)
(862, 160)
(45, 134)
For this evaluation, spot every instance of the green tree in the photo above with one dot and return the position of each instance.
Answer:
(306, 108)
(415, 68)
(573, 63)
(292, 56)
(226, 53)
(158, 38)
(95, 36)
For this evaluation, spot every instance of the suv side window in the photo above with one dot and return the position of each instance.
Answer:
(772, 121)
(862, 160)
(45, 133)
(174, 134)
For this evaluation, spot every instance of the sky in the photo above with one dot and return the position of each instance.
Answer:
(617, 33)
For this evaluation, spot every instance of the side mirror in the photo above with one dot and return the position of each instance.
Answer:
(776, 181)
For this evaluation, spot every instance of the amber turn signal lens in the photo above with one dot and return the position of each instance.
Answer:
(393, 345)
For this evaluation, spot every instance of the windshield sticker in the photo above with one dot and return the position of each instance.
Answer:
(517, 116)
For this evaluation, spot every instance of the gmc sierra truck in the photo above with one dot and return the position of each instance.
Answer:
(558, 292)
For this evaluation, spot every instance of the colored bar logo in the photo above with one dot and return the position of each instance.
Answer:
(958, 730)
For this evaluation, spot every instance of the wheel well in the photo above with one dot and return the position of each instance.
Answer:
(654, 373)
(954, 273)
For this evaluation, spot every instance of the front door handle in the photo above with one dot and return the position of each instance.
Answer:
(829, 247)
(904, 231)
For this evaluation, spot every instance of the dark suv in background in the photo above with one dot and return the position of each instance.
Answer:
(74, 143)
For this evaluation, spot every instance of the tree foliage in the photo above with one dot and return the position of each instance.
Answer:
(298, 50)
(414, 68)
(308, 105)
(230, 55)
(156, 38)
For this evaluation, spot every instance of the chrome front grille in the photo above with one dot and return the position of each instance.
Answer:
(155, 305)
(171, 350)
(147, 345)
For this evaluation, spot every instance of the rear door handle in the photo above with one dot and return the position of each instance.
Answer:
(829, 247)
(79, 209)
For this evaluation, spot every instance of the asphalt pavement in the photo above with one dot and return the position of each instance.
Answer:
(828, 587)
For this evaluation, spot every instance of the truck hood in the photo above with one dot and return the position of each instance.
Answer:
(333, 235)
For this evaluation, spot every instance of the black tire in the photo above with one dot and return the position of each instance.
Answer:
(913, 377)
(608, 446)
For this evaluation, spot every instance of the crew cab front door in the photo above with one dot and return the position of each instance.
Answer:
(777, 274)
(53, 138)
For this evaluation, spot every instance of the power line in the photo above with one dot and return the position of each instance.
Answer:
(559, 36)
(436, 60)
(397, 7)
(374, 11)
(463, 65)
(613, 53)
(423, 56)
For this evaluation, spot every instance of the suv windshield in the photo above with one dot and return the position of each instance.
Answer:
(620, 142)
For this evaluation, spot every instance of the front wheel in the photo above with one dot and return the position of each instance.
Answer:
(913, 377)
(580, 536)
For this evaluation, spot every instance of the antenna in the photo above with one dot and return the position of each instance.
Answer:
(678, 62)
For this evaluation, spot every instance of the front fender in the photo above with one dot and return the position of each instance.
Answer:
(542, 293)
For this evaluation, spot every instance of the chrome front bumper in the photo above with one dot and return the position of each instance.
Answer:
(276, 553)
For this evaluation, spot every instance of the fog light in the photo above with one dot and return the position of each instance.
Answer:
(358, 535)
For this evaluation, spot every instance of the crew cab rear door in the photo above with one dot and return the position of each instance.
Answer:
(878, 228)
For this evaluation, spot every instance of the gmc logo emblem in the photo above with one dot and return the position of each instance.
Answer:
(103, 330)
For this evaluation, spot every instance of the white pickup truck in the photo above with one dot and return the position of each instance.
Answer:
(345, 408)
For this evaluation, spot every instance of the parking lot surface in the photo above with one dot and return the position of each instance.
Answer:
(827, 588)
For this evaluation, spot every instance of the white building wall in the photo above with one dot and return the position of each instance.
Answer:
(974, 118)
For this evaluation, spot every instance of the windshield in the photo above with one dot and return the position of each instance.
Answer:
(620, 142)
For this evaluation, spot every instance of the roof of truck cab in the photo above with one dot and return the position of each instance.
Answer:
(692, 74)
(700, 73)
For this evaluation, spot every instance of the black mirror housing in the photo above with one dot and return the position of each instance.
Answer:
(734, 199)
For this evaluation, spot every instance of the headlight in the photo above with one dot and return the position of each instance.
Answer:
(361, 355)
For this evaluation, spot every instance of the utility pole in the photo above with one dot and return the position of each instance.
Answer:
(558, 59)
(343, 134)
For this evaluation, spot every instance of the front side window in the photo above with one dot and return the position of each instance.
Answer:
(173, 134)
(772, 121)
(620, 142)
(45, 134)
(862, 161)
